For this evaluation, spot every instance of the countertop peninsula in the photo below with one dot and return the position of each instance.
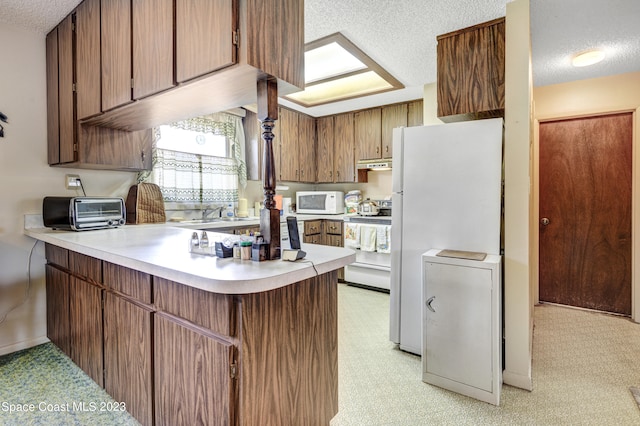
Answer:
(163, 251)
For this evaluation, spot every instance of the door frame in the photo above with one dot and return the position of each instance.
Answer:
(534, 213)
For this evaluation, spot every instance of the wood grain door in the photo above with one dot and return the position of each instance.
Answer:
(325, 132)
(343, 160)
(585, 212)
(368, 134)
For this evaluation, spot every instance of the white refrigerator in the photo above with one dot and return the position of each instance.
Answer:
(446, 194)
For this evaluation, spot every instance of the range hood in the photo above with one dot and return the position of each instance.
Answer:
(384, 164)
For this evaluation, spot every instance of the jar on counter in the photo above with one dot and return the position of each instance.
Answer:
(236, 251)
(245, 250)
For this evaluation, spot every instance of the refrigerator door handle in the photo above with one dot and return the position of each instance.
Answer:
(428, 303)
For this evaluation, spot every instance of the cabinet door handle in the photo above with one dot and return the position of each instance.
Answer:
(428, 303)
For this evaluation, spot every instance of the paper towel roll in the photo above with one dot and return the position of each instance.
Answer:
(242, 207)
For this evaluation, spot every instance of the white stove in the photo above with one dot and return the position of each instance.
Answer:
(370, 237)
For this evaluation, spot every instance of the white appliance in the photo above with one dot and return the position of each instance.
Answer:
(462, 338)
(446, 193)
(372, 268)
(319, 202)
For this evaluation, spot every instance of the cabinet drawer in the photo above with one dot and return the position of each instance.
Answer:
(210, 310)
(313, 239)
(128, 281)
(57, 255)
(333, 227)
(312, 227)
(85, 266)
(333, 240)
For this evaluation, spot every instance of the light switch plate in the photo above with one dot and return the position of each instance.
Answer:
(72, 181)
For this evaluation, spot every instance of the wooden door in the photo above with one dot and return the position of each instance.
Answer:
(324, 126)
(585, 212)
(53, 113)
(392, 116)
(57, 283)
(307, 148)
(88, 98)
(289, 147)
(204, 37)
(67, 141)
(152, 37)
(116, 53)
(343, 160)
(85, 316)
(368, 134)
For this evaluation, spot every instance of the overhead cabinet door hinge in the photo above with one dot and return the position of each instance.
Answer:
(235, 37)
(233, 370)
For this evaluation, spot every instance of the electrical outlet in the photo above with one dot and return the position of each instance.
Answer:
(72, 181)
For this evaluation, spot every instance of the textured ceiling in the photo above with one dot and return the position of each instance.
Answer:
(401, 35)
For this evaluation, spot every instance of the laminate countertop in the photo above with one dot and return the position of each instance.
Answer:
(163, 251)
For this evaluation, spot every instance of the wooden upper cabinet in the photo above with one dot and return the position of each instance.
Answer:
(289, 160)
(325, 137)
(88, 81)
(53, 114)
(152, 36)
(392, 116)
(415, 113)
(116, 53)
(67, 132)
(204, 37)
(368, 134)
(343, 159)
(471, 64)
(307, 148)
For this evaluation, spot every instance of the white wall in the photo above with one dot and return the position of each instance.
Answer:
(518, 305)
(26, 179)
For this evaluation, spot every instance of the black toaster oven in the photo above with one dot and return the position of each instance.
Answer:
(83, 213)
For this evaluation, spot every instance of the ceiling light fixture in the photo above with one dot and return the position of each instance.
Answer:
(588, 57)
(336, 70)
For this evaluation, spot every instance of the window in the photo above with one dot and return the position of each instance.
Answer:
(200, 160)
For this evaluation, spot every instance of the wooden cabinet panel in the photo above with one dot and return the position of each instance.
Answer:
(113, 149)
(53, 114)
(343, 160)
(127, 281)
(307, 362)
(289, 146)
(312, 227)
(193, 377)
(210, 310)
(204, 37)
(116, 53)
(415, 113)
(67, 142)
(253, 145)
(325, 140)
(152, 36)
(58, 330)
(86, 266)
(307, 148)
(392, 116)
(333, 240)
(333, 227)
(85, 316)
(127, 356)
(88, 81)
(368, 134)
(57, 255)
(471, 67)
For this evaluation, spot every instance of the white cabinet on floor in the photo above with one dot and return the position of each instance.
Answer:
(462, 332)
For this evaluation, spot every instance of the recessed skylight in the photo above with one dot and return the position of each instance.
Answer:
(335, 70)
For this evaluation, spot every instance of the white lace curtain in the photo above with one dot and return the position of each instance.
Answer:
(195, 178)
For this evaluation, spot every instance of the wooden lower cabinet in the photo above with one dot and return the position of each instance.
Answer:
(194, 357)
(194, 376)
(85, 317)
(58, 308)
(128, 367)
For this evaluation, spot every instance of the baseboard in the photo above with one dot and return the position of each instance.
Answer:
(23, 345)
(517, 380)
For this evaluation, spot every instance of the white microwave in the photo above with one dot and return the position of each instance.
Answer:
(320, 202)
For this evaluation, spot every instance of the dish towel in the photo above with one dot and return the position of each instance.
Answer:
(368, 238)
(351, 235)
(383, 233)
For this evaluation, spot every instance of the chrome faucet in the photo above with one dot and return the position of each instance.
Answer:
(208, 210)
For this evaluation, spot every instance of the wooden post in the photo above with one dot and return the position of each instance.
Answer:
(270, 215)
